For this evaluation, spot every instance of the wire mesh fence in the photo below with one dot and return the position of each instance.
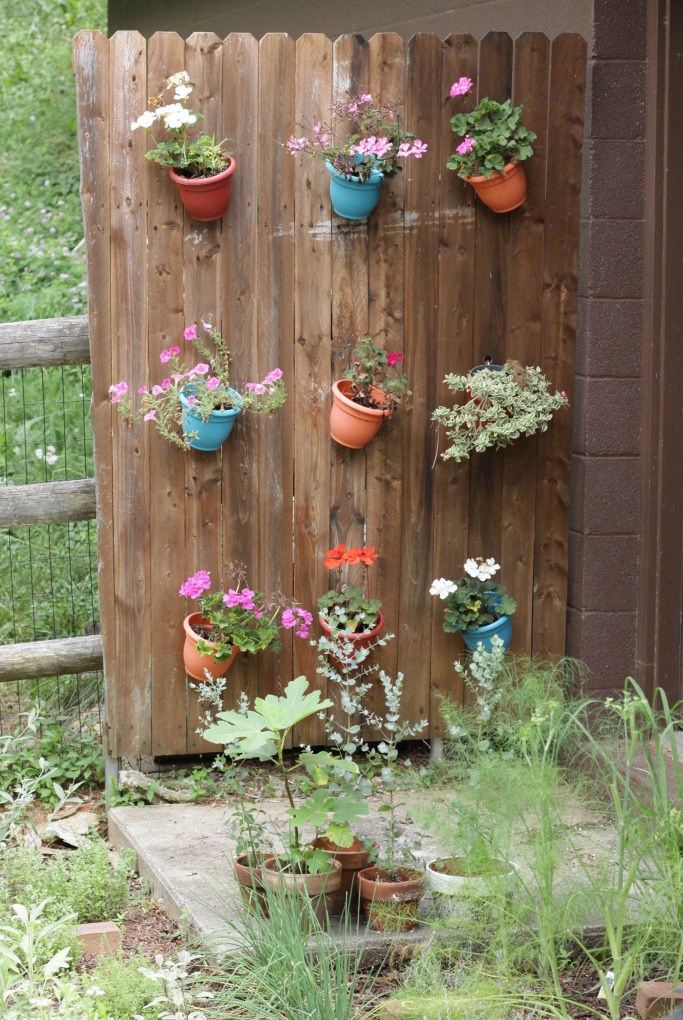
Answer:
(49, 573)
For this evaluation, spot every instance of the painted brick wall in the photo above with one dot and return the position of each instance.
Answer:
(605, 495)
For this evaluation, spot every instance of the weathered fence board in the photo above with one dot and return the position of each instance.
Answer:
(58, 657)
(47, 503)
(44, 342)
(433, 274)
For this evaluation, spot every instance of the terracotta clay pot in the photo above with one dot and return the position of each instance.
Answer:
(206, 198)
(352, 859)
(195, 664)
(320, 889)
(351, 424)
(250, 882)
(501, 193)
(391, 905)
(361, 640)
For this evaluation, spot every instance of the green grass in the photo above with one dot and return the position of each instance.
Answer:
(50, 573)
(40, 213)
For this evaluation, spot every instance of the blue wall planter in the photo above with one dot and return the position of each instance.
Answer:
(211, 434)
(350, 199)
(502, 628)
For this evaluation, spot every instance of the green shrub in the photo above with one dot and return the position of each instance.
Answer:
(86, 884)
(126, 990)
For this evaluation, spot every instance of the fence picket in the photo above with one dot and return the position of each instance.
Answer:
(312, 355)
(454, 354)
(166, 318)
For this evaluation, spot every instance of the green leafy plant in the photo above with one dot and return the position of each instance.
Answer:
(26, 976)
(205, 386)
(375, 369)
(347, 609)
(475, 600)
(262, 733)
(195, 158)
(500, 407)
(492, 136)
(242, 618)
(121, 989)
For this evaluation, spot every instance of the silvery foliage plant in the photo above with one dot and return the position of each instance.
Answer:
(480, 674)
(183, 997)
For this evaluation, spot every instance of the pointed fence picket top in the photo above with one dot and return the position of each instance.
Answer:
(433, 274)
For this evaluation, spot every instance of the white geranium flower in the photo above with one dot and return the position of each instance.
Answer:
(182, 91)
(179, 78)
(39, 454)
(145, 120)
(472, 567)
(442, 587)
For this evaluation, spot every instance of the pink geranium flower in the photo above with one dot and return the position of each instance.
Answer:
(191, 332)
(465, 146)
(461, 87)
(393, 357)
(404, 149)
(419, 148)
(195, 585)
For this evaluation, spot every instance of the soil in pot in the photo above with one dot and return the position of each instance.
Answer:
(391, 902)
(351, 424)
(319, 888)
(250, 881)
(197, 627)
(352, 859)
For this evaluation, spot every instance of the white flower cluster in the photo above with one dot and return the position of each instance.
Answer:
(442, 587)
(175, 116)
(482, 569)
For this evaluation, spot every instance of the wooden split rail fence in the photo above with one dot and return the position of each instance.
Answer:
(433, 274)
(40, 344)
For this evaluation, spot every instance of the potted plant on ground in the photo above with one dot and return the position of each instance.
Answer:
(346, 615)
(476, 872)
(196, 407)
(359, 163)
(262, 733)
(201, 167)
(476, 606)
(391, 890)
(503, 403)
(367, 395)
(494, 145)
(239, 620)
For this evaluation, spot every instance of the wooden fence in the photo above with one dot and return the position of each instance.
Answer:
(432, 273)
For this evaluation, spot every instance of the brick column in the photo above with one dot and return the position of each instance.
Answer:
(605, 487)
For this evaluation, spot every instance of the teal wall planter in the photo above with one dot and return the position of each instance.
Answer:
(502, 628)
(211, 434)
(350, 199)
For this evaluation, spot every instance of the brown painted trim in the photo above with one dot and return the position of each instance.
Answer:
(658, 649)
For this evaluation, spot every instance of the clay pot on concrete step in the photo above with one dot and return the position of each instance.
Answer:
(352, 859)
(250, 881)
(320, 888)
(391, 902)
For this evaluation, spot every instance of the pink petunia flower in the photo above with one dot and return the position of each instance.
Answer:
(176, 377)
(201, 368)
(212, 383)
(165, 383)
(151, 415)
(191, 400)
(164, 357)
(156, 391)
(174, 350)
(142, 389)
(191, 332)
(117, 391)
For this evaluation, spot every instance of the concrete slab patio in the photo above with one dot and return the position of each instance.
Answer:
(185, 853)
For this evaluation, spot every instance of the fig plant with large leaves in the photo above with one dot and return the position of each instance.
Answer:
(262, 733)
